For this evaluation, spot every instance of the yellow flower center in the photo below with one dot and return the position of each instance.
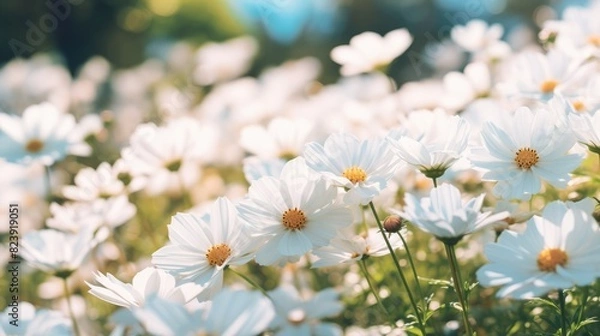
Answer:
(355, 174)
(578, 105)
(34, 145)
(294, 219)
(549, 258)
(548, 86)
(594, 40)
(217, 254)
(526, 158)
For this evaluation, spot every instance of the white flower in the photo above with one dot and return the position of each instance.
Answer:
(149, 281)
(446, 216)
(32, 322)
(557, 251)
(103, 182)
(430, 141)
(369, 51)
(283, 138)
(363, 167)
(56, 251)
(255, 168)
(217, 62)
(201, 247)
(463, 88)
(43, 134)
(587, 129)
(476, 35)
(348, 248)
(523, 152)
(297, 317)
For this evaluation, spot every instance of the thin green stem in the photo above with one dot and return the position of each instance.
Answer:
(364, 269)
(434, 182)
(252, 283)
(70, 307)
(414, 269)
(364, 219)
(458, 287)
(584, 298)
(563, 313)
(47, 176)
(399, 269)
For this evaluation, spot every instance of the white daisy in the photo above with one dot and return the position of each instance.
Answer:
(362, 167)
(35, 322)
(297, 317)
(217, 62)
(202, 246)
(446, 216)
(283, 138)
(476, 35)
(370, 51)
(43, 134)
(523, 152)
(586, 128)
(558, 250)
(103, 182)
(462, 88)
(293, 214)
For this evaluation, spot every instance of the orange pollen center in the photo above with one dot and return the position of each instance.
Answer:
(578, 105)
(294, 219)
(217, 254)
(594, 40)
(549, 258)
(355, 174)
(548, 86)
(34, 145)
(526, 158)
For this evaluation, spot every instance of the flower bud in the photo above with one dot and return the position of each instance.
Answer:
(393, 223)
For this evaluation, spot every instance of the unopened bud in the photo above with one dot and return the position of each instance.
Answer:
(393, 224)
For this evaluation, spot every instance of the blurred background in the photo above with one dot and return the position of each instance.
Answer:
(126, 32)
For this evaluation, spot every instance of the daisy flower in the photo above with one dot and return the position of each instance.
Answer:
(476, 35)
(362, 167)
(43, 134)
(283, 138)
(558, 250)
(430, 141)
(446, 216)
(35, 322)
(370, 51)
(348, 248)
(202, 246)
(463, 88)
(586, 128)
(523, 152)
(293, 215)
(296, 316)
(218, 62)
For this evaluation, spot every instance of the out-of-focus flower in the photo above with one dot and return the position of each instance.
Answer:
(482, 40)
(57, 252)
(578, 33)
(430, 141)
(217, 62)
(103, 182)
(202, 246)
(525, 151)
(43, 134)
(283, 138)
(363, 167)
(370, 51)
(32, 322)
(463, 88)
(294, 214)
(348, 248)
(446, 216)
(587, 129)
(149, 281)
(558, 250)
(255, 168)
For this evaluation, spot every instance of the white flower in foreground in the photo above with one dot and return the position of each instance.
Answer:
(43, 134)
(348, 248)
(293, 214)
(525, 151)
(432, 143)
(201, 247)
(56, 251)
(558, 250)
(370, 51)
(32, 322)
(446, 216)
(149, 281)
(298, 317)
(363, 167)
(587, 129)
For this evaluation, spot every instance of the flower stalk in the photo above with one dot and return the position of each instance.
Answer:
(458, 286)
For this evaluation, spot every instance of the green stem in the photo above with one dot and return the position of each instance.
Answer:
(563, 313)
(252, 283)
(458, 287)
(584, 298)
(70, 307)
(434, 182)
(47, 176)
(414, 269)
(363, 268)
(397, 264)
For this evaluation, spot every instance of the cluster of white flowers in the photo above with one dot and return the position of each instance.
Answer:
(512, 125)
